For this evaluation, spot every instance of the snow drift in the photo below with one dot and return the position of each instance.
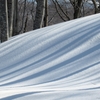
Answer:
(59, 62)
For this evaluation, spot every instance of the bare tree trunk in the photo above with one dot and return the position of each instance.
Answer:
(65, 14)
(23, 17)
(40, 12)
(12, 19)
(77, 8)
(7, 20)
(58, 10)
(25, 26)
(12, 9)
(3, 22)
(46, 14)
(9, 3)
(95, 6)
(15, 32)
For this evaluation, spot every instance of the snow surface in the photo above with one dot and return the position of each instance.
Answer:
(59, 62)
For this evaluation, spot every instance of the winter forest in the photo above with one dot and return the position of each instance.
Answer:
(20, 16)
(49, 49)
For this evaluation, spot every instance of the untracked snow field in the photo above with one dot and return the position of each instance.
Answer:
(59, 62)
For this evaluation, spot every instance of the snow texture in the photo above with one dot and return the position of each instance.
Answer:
(59, 62)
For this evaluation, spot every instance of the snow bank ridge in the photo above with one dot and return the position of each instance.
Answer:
(56, 60)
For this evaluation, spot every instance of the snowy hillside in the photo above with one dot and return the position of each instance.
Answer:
(59, 62)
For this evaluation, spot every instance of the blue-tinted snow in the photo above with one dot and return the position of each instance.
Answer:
(59, 62)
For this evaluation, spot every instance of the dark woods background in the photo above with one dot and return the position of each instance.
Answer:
(20, 16)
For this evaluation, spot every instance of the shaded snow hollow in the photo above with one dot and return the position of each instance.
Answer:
(59, 62)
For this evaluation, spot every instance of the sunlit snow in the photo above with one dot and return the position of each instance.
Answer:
(59, 62)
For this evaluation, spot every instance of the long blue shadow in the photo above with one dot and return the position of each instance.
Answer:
(75, 43)
(52, 68)
(18, 96)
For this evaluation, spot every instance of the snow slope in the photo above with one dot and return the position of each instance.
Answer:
(59, 62)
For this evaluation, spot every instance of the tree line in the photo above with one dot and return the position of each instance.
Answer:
(19, 16)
